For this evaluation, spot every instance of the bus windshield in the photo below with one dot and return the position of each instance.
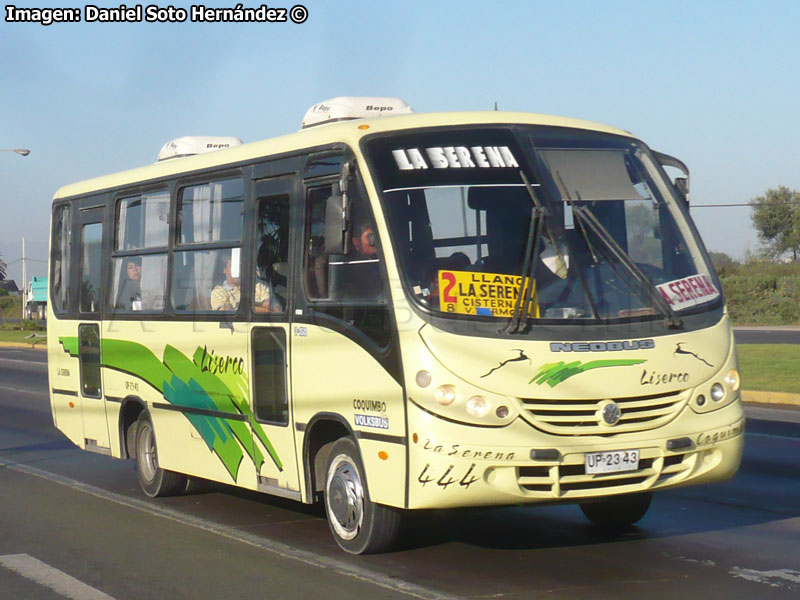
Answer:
(477, 214)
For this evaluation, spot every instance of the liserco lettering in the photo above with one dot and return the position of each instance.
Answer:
(602, 346)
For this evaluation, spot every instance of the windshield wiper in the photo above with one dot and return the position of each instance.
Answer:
(522, 307)
(586, 217)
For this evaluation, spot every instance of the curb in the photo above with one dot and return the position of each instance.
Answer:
(755, 397)
(26, 345)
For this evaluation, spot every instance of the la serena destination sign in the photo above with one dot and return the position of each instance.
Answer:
(454, 157)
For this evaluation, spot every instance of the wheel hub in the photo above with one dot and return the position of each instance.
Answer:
(345, 498)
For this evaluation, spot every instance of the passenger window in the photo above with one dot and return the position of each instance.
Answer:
(59, 276)
(139, 283)
(272, 254)
(89, 352)
(355, 276)
(212, 212)
(207, 280)
(143, 221)
(91, 267)
(269, 375)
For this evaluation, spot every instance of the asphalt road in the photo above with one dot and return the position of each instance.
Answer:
(69, 518)
(767, 335)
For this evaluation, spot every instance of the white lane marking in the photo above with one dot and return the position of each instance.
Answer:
(773, 578)
(310, 558)
(31, 363)
(774, 436)
(23, 391)
(50, 577)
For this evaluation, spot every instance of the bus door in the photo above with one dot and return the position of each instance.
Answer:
(344, 363)
(93, 406)
(273, 426)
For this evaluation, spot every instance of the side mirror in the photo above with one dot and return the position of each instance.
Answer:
(335, 226)
(681, 184)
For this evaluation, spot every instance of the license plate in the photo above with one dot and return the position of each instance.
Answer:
(611, 462)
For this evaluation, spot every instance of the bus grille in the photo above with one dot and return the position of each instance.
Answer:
(584, 416)
(571, 481)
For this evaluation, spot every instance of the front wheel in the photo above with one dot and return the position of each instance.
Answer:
(359, 525)
(154, 480)
(617, 512)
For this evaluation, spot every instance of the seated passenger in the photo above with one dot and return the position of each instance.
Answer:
(129, 296)
(361, 277)
(227, 295)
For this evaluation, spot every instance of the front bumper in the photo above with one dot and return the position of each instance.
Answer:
(452, 465)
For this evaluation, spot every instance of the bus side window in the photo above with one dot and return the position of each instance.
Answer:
(91, 267)
(208, 279)
(316, 260)
(353, 277)
(269, 375)
(59, 276)
(139, 281)
(272, 254)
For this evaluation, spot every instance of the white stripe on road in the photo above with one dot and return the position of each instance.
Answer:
(36, 363)
(23, 391)
(284, 550)
(774, 436)
(50, 577)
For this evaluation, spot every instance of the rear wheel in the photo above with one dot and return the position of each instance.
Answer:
(618, 512)
(154, 480)
(359, 525)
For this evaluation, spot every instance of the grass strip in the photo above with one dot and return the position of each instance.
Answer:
(770, 367)
(22, 337)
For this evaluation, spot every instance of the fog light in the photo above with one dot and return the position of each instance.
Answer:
(732, 379)
(423, 379)
(445, 395)
(477, 406)
(502, 412)
(717, 392)
(700, 400)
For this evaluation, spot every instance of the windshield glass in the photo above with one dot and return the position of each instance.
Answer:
(464, 207)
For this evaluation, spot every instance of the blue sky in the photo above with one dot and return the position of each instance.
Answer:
(714, 83)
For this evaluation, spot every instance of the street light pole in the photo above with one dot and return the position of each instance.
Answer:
(22, 152)
(24, 281)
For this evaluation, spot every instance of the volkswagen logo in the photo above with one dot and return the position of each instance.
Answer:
(611, 413)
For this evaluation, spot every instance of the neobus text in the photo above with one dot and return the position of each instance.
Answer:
(602, 346)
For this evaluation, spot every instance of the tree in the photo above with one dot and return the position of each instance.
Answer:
(776, 218)
(723, 263)
(2, 268)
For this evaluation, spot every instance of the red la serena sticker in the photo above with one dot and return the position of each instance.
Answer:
(688, 291)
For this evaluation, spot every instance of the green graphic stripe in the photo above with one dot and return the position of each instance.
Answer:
(184, 384)
(554, 373)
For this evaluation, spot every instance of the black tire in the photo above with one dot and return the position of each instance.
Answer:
(618, 512)
(154, 480)
(359, 525)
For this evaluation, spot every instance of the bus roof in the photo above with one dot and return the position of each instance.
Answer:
(341, 131)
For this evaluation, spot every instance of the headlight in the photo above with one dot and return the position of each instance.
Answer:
(477, 406)
(717, 392)
(445, 395)
(732, 379)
